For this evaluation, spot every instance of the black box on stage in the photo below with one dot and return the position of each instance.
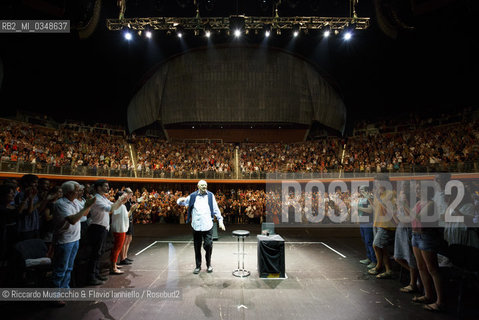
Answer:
(271, 262)
(267, 227)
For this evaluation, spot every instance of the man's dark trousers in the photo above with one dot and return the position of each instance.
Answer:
(207, 238)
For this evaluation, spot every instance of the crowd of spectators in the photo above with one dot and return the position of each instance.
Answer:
(64, 220)
(22, 142)
(159, 206)
(242, 205)
(317, 156)
(156, 154)
(437, 147)
(433, 148)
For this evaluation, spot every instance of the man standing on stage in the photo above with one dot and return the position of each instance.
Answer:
(202, 208)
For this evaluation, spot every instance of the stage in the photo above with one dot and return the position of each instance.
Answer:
(324, 281)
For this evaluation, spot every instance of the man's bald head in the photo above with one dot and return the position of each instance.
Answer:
(202, 186)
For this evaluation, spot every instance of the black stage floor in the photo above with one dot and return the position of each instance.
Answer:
(324, 281)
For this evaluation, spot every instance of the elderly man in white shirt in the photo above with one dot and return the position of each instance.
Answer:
(99, 227)
(202, 208)
(66, 233)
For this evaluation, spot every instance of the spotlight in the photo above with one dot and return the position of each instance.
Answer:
(179, 32)
(208, 30)
(267, 31)
(237, 24)
(148, 34)
(348, 32)
(327, 32)
(296, 29)
(128, 35)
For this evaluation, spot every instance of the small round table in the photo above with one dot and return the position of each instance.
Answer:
(240, 235)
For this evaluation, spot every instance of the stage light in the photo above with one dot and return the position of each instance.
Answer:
(237, 24)
(128, 35)
(244, 23)
(327, 32)
(179, 32)
(348, 32)
(267, 30)
(148, 34)
(207, 30)
(296, 29)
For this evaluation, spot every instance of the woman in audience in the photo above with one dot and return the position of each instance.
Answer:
(384, 205)
(403, 252)
(120, 222)
(426, 240)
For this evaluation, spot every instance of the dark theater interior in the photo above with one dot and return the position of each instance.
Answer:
(254, 159)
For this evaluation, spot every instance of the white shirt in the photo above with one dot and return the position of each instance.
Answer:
(440, 206)
(83, 218)
(201, 215)
(100, 211)
(440, 203)
(63, 231)
(119, 220)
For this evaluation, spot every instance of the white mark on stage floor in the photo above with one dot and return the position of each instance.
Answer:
(146, 248)
(324, 244)
(389, 301)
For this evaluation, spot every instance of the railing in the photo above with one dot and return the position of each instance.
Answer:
(406, 170)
